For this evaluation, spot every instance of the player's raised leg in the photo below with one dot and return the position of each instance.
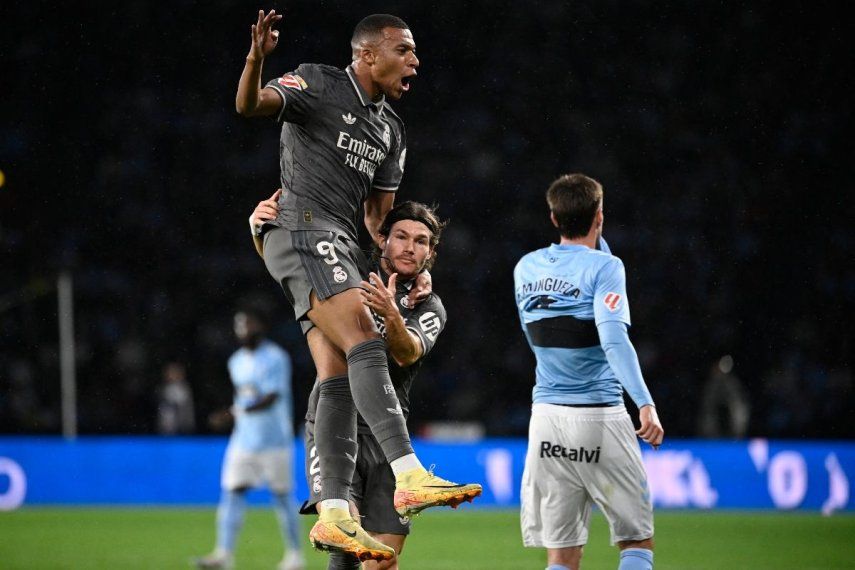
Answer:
(348, 324)
(335, 442)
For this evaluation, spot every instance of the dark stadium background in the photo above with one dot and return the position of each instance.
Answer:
(721, 132)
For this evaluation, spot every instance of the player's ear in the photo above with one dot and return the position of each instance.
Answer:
(552, 217)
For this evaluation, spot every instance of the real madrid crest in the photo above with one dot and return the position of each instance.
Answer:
(339, 275)
(387, 135)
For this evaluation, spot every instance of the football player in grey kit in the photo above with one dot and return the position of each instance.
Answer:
(342, 147)
(411, 233)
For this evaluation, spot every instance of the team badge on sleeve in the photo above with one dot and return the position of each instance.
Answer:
(293, 81)
(612, 301)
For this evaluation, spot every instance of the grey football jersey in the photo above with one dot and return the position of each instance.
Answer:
(336, 146)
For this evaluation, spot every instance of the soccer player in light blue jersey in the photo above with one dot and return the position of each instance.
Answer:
(582, 447)
(260, 449)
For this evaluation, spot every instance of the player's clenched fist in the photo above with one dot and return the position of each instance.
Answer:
(651, 430)
(264, 37)
(266, 211)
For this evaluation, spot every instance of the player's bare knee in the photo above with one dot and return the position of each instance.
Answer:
(329, 360)
(647, 544)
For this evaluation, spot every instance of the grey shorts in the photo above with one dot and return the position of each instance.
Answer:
(328, 262)
(372, 489)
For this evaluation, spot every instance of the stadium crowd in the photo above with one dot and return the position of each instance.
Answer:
(716, 129)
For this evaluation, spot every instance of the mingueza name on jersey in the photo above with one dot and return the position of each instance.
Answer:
(549, 284)
(548, 449)
(361, 155)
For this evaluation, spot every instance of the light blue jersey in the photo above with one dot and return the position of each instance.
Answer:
(564, 294)
(256, 373)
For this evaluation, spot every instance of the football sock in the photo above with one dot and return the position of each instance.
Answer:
(287, 515)
(342, 561)
(375, 397)
(335, 437)
(405, 463)
(557, 567)
(636, 559)
(229, 519)
(327, 504)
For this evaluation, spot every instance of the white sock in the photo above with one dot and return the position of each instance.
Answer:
(405, 463)
(333, 504)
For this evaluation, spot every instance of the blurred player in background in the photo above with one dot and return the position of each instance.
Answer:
(582, 447)
(261, 447)
(175, 411)
(409, 236)
(342, 147)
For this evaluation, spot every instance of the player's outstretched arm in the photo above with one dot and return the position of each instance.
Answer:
(404, 346)
(251, 100)
(266, 211)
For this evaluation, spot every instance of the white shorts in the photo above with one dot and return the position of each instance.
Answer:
(577, 457)
(250, 469)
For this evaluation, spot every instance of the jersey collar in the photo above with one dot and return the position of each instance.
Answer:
(360, 92)
(569, 247)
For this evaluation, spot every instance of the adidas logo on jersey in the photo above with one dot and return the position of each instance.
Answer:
(547, 449)
(349, 119)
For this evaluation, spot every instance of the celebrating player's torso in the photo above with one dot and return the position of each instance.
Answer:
(336, 146)
(562, 293)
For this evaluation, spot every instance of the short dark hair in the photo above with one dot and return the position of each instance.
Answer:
(253, 310)
(417, 212)
(372, 25)
(574, 199)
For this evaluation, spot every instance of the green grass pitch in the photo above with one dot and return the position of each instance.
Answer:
(164, 538)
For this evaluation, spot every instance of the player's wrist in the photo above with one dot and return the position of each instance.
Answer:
(254, 228)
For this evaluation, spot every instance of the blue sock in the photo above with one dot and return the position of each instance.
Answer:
(288, 524)
(556, 567)
(230, 519)
(636, 559)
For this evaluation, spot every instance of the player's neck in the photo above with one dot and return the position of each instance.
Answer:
(589, 240)
(363, 76)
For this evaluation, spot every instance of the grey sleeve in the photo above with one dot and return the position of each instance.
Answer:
(388, 175)
(301, 91)
(427, 321)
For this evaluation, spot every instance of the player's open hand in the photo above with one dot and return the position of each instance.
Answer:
(378, 297)
(266, 211)
(422, 289)
(651, 430)
(264, 37)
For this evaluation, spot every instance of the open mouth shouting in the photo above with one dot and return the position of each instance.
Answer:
(405, 81)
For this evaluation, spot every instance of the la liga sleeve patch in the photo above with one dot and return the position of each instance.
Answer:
(612, 301)
(293, 81)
